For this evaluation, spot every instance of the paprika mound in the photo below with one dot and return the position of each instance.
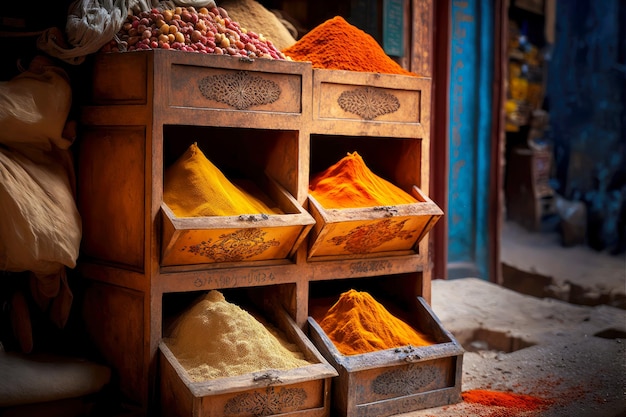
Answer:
(357, 324)
(194, 187)
(516, 402)
(337, 45)
(351, 184)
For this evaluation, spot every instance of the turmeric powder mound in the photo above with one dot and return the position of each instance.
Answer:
(337, 45)
(194, 187)
(351, 184)
(216, 339)
(357, 323)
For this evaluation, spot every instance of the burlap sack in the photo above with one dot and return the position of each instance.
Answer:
(40, 226)
(34, 107)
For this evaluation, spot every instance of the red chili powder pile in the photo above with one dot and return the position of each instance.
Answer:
(514, 404)
(349, 183)
(338, 45)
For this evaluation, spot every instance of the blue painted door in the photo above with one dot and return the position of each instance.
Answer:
(471, 75)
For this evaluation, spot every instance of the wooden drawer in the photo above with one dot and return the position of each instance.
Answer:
(174, 81)
(395, 381)
(227, 239)
(349, 102)
(359, 232)
(303, 391)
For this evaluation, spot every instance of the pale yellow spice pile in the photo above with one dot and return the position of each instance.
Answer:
(216, 339)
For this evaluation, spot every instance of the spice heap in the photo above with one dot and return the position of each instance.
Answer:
(209, 31)
(514, 404)
(255, 17)
(351, 184)
(216, 339)
(338, 45)
(194, 187)
(357, 323)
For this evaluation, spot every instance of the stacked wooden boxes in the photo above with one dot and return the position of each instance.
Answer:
(148, 107)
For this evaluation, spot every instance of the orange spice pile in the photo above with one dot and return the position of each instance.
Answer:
(357, 323)
(337, 45)
(351, 184)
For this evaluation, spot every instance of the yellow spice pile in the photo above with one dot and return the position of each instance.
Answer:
(216, 339)
(194, 187)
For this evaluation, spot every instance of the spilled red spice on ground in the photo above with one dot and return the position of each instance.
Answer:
(512, 404)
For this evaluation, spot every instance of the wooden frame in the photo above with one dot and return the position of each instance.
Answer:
(133, 131)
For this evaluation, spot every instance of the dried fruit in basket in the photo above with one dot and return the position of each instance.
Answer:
(209, 31)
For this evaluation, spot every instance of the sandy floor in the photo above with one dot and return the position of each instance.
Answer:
(572, 357)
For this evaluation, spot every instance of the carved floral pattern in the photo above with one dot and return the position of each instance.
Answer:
(365, 238)
(232, 247)
(271, 402)
(239, 90)
(404, 381)
(368, 102)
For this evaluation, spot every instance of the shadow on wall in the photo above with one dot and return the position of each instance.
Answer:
(588, 115)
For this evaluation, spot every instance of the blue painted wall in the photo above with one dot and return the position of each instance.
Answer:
(470, 135)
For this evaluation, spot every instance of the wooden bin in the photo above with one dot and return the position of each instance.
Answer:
(388, 230)
(395, 381)
(201, 82)
(245, 238)
(303, 391)
(370, 103)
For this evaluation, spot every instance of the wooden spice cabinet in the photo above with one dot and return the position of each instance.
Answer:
(147, 107)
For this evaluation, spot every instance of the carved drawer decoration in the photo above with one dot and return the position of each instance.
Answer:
(246, 238)
(289, 393)
(390, 230)
(241, 87)
(368, 102)
(395, 381)
(266, 403)
(240, 90)
(345, 101)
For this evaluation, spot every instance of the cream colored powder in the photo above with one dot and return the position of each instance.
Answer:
(216, 339)
(253, 16)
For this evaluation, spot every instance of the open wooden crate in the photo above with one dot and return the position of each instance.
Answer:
(245, 238)
(359, 232)
(395, 381)
(302, 392)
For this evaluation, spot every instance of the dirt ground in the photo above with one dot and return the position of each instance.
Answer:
(555, 330)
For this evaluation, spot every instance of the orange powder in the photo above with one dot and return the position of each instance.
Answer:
(194, 187)
(338, 45)
(357, 324)
(351, 184)
(518, 402)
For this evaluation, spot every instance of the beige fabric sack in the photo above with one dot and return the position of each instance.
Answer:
(34, 106)
(91, 24)
(40, 226)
